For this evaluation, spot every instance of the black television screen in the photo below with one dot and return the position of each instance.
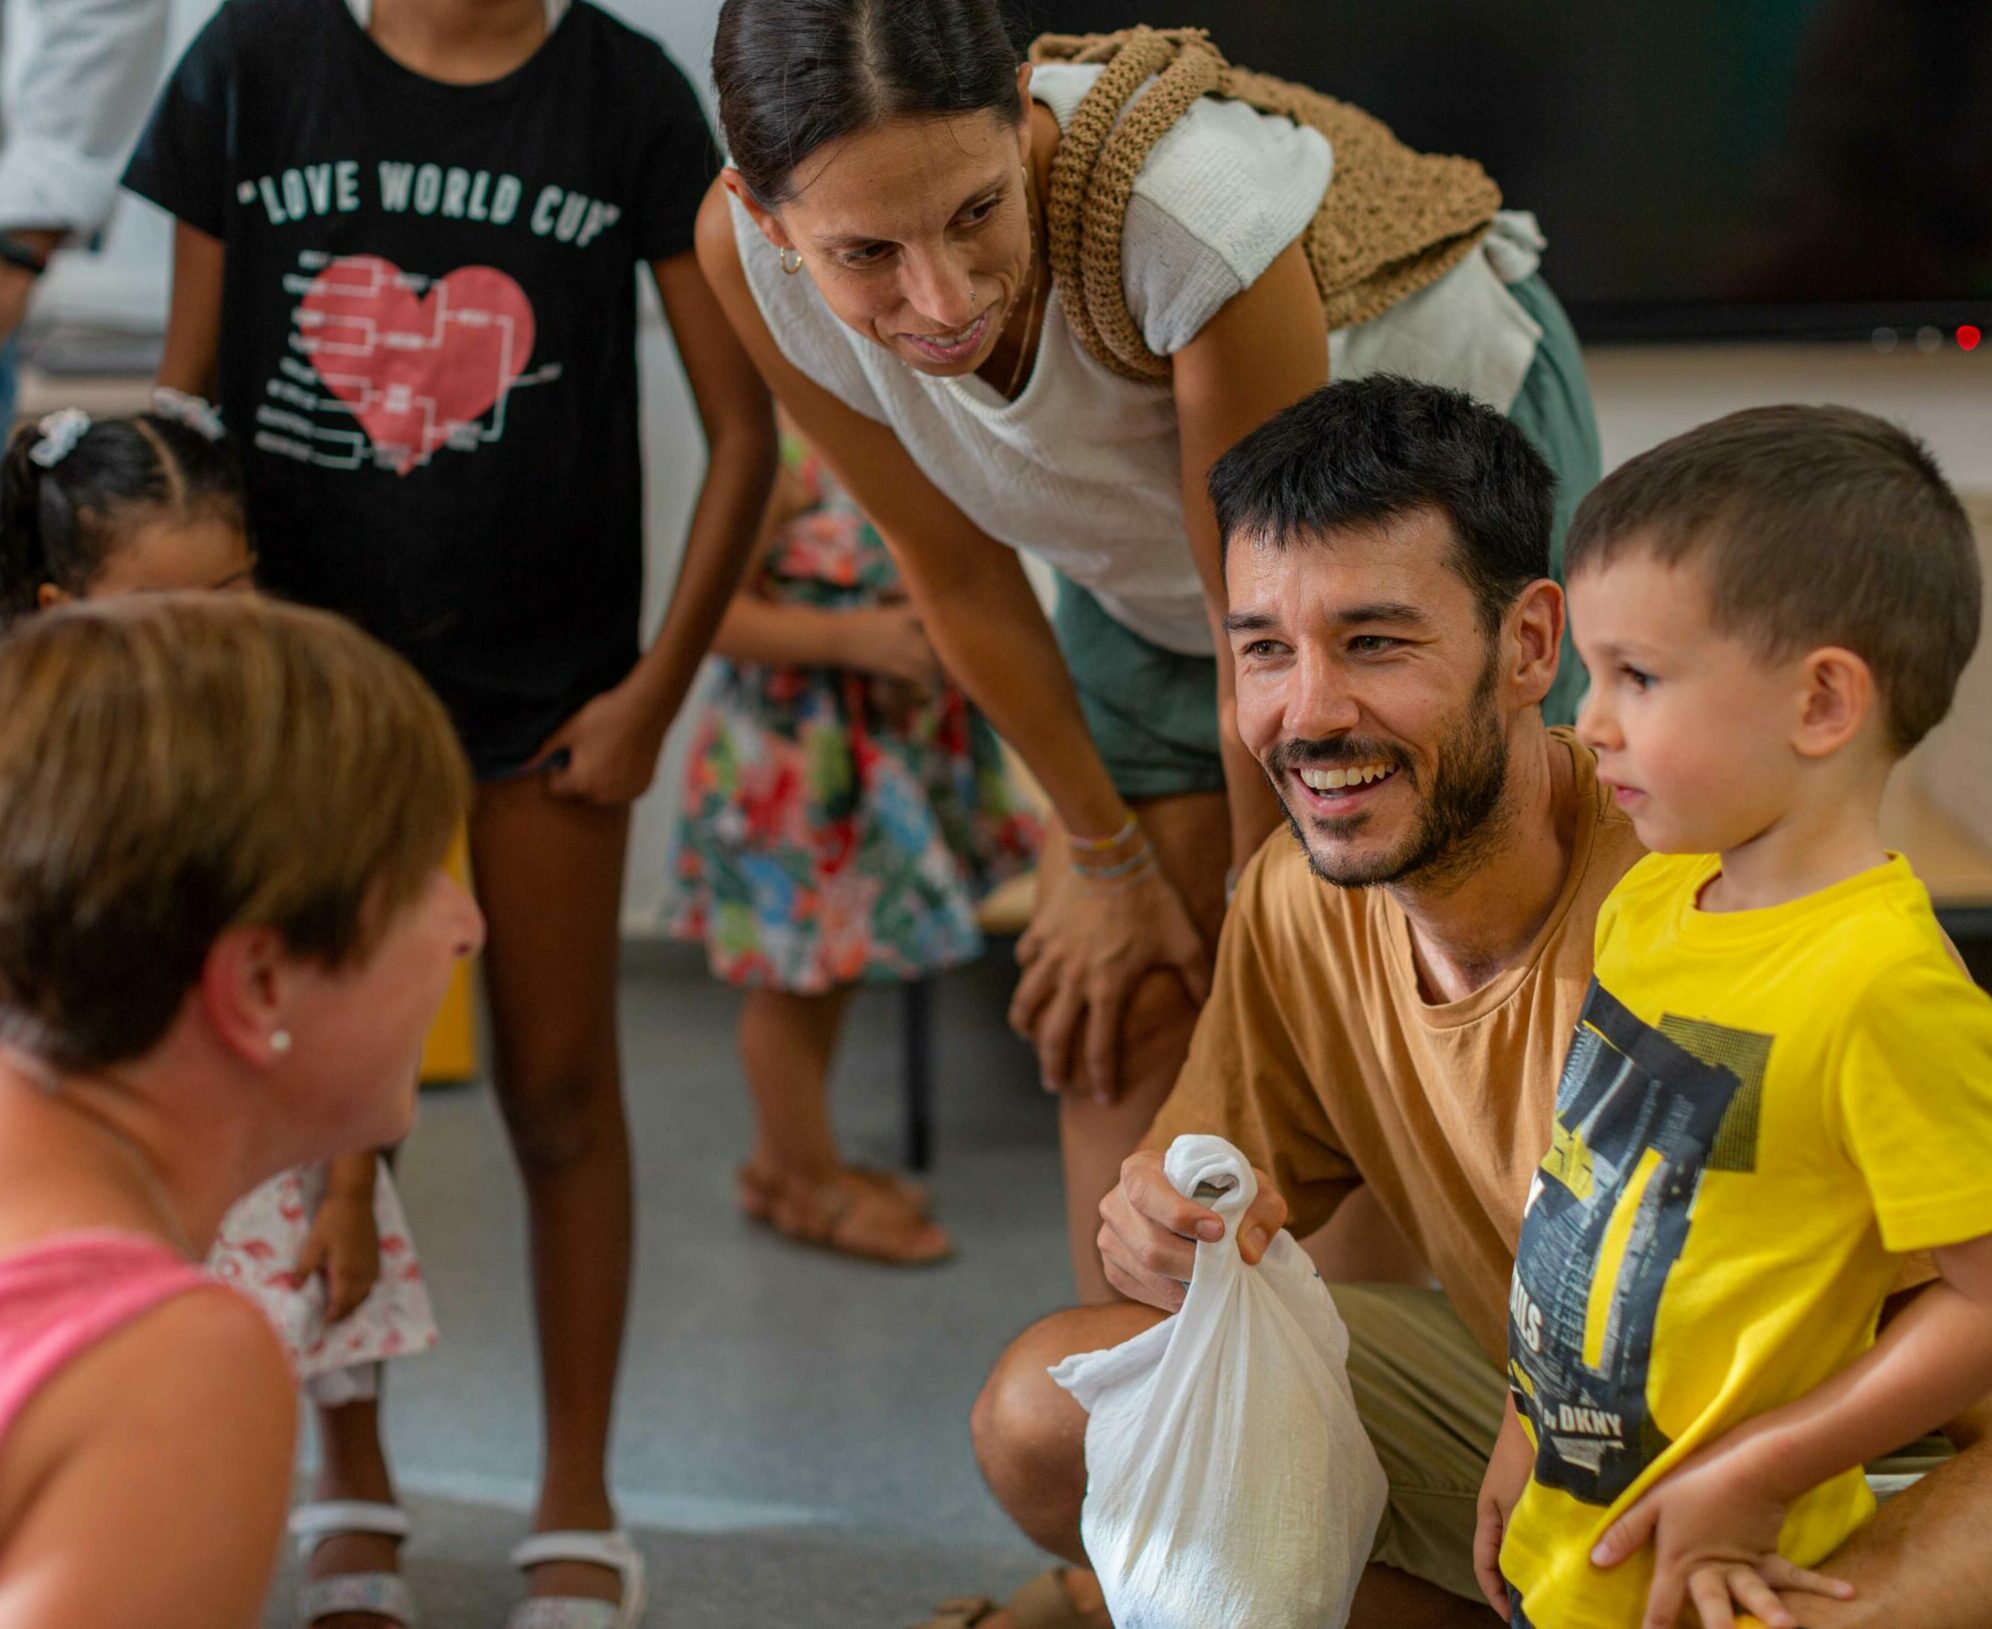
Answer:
(1704, 168)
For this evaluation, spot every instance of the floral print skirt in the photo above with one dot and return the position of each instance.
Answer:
(837, 826)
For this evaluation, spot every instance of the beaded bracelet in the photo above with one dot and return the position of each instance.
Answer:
(1140, 860)
(1100, 845)
(1140, 876)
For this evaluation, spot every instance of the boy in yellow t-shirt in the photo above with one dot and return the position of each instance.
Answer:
(1782, 1080)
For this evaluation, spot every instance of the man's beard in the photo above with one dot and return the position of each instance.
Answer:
(1458, 819)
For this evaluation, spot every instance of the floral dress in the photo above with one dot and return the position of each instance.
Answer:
(839, 826)
(257, 1251)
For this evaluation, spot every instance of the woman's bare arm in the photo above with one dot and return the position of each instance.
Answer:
(1262, 352)
(161, 1464)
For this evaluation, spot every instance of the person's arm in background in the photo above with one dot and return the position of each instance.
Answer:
(74, 103)
(1262, 352)
(885, 639)
(193, 320)
(882, 639)
(612, 743)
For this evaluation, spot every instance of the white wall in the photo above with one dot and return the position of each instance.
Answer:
(1644, 394)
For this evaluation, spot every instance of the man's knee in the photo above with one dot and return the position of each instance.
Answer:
(1025, 1427)
(1030, 1436)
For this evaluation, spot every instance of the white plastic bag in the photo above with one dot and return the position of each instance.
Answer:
(1229, 1483)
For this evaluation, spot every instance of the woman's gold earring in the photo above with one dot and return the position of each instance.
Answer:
(790, 266)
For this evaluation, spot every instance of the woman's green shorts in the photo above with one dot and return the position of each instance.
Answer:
(1153, 713)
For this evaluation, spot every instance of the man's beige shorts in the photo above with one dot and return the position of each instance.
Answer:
(1432, 1404)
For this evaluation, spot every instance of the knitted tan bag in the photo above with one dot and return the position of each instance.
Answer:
(1393, 221)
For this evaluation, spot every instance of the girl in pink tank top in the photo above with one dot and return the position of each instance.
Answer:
(225, 925)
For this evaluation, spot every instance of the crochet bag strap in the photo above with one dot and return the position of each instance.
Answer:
(1394, 220)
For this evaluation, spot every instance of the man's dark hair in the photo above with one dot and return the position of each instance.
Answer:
(1364, 451)
(1813, 526)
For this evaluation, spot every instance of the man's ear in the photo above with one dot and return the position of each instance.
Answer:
(1533, 638)
(1837, 698)
(247, 991)
(763, 217)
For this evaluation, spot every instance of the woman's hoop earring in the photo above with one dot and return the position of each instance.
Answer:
(791, 267)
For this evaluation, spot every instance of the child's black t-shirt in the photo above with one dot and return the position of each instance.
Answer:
(428, 340)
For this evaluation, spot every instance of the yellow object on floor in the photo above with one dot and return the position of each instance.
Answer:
(450, 1053)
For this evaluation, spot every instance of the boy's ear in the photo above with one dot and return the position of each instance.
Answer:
(1838, 699)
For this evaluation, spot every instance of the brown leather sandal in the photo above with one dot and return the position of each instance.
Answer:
(1043, 1603)
(759, 1186)
(853, 1213)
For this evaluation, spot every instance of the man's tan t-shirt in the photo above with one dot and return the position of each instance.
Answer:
(1317, 1056)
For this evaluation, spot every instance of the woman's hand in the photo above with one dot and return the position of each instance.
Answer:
(343, 1243)
(1088, 945)
(607, 752)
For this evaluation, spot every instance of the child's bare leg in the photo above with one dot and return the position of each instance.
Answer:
(353, 1465)
(787, 1043)
(548, 873)
(796, 1179)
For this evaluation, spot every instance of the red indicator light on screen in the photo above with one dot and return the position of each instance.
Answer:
(1968, 338)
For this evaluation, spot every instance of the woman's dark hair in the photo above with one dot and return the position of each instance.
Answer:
(794, 74)
(62, 523)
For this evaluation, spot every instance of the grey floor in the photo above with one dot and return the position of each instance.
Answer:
(792, 1448)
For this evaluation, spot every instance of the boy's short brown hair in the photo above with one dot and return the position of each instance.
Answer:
(174, 766)
(1816, 526)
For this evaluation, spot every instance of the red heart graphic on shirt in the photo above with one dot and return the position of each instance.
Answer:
(419, 362)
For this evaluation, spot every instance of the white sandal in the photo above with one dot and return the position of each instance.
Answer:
(611, 1550)
(384, 1594)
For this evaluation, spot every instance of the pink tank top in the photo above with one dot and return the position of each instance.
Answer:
(60, 1297)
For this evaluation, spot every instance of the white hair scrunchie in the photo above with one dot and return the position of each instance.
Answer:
(60, 431)
(197, 413)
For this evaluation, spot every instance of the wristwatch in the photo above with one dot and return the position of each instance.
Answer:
(16, 252)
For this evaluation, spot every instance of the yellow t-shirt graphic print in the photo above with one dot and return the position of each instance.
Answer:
(1761, 1113)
